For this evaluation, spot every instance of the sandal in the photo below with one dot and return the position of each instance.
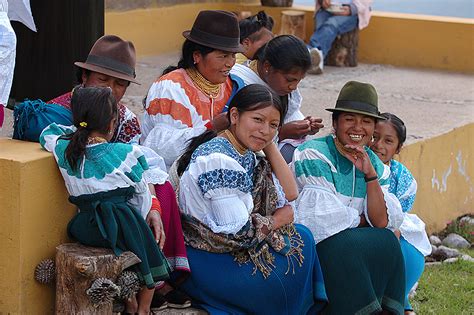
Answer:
(158, 303)
(177, 299)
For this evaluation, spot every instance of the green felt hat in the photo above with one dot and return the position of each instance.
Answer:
(359, 98)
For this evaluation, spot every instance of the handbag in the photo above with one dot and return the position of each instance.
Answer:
(31, 117)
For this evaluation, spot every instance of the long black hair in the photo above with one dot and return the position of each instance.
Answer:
(187, 60)
(93, 108)
(249, 98)
(285, 53)
(250, 26)
(398, 125)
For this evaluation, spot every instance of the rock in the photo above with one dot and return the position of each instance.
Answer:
(434, 240)
(450, 260)
(467, 220)
(456, 241)
(443, 252)
(434, 263)
(433, 248)
(412, 293)
(429, 259)
(467, 258)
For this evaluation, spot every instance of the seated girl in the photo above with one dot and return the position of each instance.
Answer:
(242, 245)
(344, 201)
(255, 31)
(280, 65)
(389, 136)
(108, 183)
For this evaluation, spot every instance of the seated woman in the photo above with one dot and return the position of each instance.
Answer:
(344, 201)
(255, 31)
(389, 136)
(190, 98)
(107, 182)
(280, 66)
(238, 224)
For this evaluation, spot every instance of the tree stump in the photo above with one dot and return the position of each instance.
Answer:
(77, 266)
(293, 23)
(243, 15)
(343, 51)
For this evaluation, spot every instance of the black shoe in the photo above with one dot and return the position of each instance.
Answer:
(158, 303)
(177, 299)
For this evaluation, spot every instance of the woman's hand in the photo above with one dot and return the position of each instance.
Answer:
(295, 129)
(325, 4)
(283, 216)
(315, 124)
(345, 11)
(153, 219)
(361, 160)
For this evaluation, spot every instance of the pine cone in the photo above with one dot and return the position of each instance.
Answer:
(45, 271)
(129, 284)
(102, 291)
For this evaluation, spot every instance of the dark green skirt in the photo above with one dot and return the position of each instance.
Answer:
(107, 220)
(363, 272)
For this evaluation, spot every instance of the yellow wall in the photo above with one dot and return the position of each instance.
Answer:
(419, 41)
(444, 169)
(34, 212)
(398, 39)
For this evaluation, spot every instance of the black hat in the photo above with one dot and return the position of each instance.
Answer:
(216, 29)
(359, 98)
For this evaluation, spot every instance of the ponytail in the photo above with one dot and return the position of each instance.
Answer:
(194, 143)
(76, 147)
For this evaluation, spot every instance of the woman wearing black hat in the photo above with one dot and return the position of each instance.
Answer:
(281, 65)
(190, 98)
(344, 201)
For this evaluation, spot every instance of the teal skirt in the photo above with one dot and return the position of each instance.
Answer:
(107, 220)
(364, 272)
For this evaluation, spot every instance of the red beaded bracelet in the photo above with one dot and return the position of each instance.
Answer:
(155, 205)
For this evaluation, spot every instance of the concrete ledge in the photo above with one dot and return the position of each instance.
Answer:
(407, 40)
(444, 169)
(34, 212)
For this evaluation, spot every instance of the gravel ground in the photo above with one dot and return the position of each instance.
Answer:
(430, 102)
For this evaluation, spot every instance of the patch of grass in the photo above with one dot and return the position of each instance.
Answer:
(446, 289)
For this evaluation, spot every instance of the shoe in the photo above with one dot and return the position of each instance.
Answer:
(158, 303)
(177, 299)
(317, 61)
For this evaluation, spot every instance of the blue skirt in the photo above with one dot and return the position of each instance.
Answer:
(221, 286)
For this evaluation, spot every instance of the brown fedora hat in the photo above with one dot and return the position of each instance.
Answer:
(216, 29)
(112, 56)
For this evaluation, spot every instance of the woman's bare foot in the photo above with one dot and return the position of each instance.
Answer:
(131, 305)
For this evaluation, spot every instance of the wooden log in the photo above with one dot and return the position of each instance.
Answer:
(343, 51)
(77, 266)
(243, 15)
(293, 23)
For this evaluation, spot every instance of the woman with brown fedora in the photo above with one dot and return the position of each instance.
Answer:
(190, 98)
(344, 201)
(110, 63)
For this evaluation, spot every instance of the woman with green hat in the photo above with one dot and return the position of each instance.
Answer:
(344, 201)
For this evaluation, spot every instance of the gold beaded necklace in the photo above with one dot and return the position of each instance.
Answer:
(253, 65)
(342, 149)
(230, 136)
(210, 89)
(95, 140)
